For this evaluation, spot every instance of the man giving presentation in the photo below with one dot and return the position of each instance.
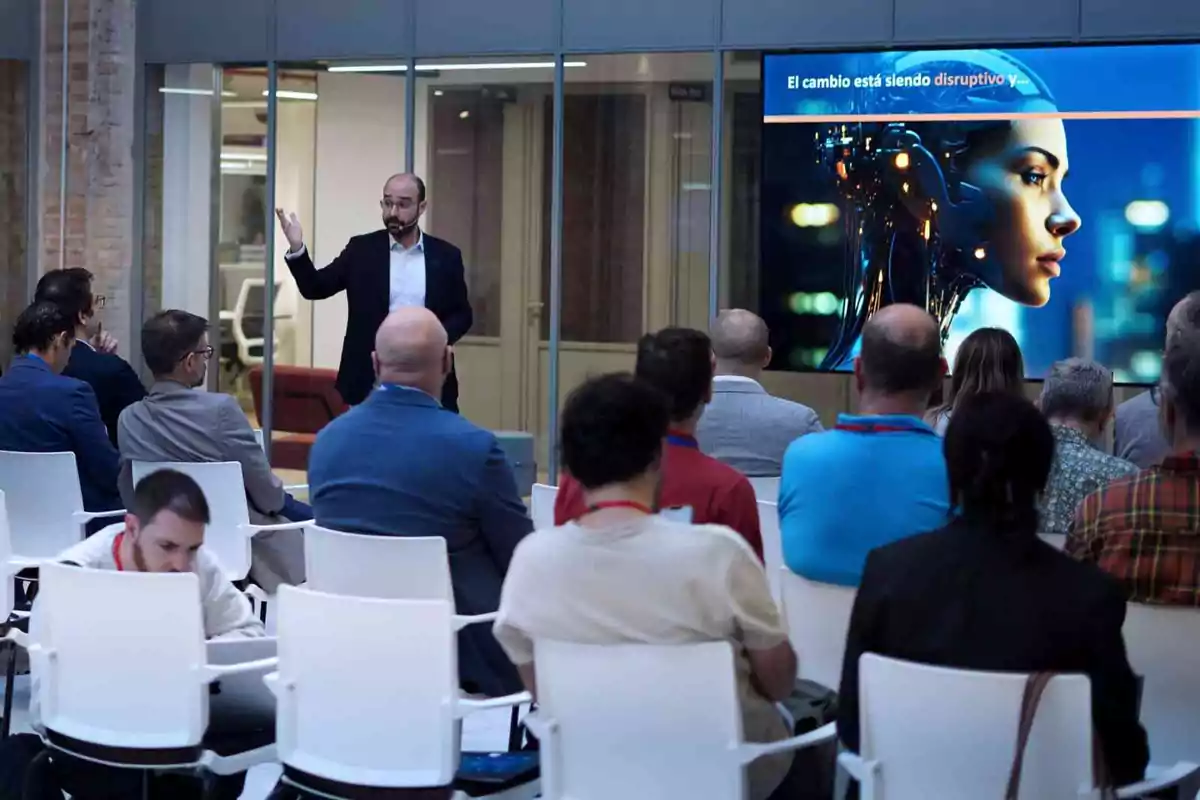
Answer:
(380, 272)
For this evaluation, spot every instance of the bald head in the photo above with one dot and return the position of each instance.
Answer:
(403, 204)
(740, 342)
(411, 350)
(901, 352)
(1184, 317)
(405, 184)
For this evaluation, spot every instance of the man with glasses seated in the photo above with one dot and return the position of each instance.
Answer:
(398, 267)
(177, 423)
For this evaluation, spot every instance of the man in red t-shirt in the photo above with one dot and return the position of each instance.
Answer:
(679, 363)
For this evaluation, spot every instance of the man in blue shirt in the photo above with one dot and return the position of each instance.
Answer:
(879, 475)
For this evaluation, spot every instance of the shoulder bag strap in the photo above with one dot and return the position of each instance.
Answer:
(1035, 684)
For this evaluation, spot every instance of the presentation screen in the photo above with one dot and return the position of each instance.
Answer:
(1052, 192)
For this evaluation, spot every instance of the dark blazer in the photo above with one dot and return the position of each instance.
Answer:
(969, 598)
(363, 271)
(41, 412)
(112, 379)
(400, 465)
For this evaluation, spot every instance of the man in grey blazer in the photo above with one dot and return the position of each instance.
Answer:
(743, 425)
(178, 422)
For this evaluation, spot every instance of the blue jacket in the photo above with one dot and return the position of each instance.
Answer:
(401, 465)
(112, 379)
(41, 412)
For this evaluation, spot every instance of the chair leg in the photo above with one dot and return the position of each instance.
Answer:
(10, 679)
(37, 777)
(514, 730)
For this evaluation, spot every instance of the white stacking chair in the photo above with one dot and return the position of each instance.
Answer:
(396, 724)
(1056, 540)
(120, 670)
(1162, 645)
(541, 505)
(644, 722)
(45, 504)
(387, 567)
(229, 533)
(928, 731)
(772, 541)
(818, 617)
(765, 489)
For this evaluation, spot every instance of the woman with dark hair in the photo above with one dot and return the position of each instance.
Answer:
(936, 209)
(985, 593)
(989, 360)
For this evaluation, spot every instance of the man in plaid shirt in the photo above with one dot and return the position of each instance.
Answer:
(1144, 530)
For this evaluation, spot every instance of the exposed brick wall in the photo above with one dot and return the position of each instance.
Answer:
(100, 136)
(13, 195)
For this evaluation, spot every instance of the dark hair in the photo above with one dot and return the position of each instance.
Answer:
(420, 189)
(1181, 376)
(168, 337)
(989, 360)
(999, 450)
(39, 324)
(677, 362)
(70, 288)
(612, 429)
(895, 365)
(169, 490)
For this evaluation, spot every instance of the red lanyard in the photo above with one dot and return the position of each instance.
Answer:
(603, 504)
(117, 551)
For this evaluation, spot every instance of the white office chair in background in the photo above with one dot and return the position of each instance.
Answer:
(928, 731)
(1163, 650)
(396, 723)
(541, 505)
(387, 567)
(772, 541)
(765, 489)
(817, 617)
(644, 722)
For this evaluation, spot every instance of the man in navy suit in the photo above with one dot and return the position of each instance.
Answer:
(398, 267)
(401, 465)
(94, 357)
(43, 411)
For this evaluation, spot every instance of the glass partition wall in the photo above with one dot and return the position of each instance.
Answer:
(635, 224)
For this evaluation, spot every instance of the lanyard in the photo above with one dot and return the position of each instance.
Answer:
(872, 427)
(117, 551)
(603, 504)
(682, 440)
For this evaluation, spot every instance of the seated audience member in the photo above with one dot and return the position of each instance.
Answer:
(1137, 435)
(744, 426)
(42, 411)
(400, 464)
(1144, 529)
(679, 363)
(94, 358)
(879, 475)
(163, 532)
(1077, 401)
(619, 573)
(985, 593)
(178, 423)
(988, 360)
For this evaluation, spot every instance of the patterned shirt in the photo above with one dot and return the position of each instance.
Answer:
(1079, 469)
(1145, 531)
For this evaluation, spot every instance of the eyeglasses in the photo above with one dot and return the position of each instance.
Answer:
(403, 204)
(207, 352)
(98, 301)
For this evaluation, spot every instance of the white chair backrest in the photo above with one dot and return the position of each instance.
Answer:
(120, 656)
(394, 724)
(677, 514)
(939, 732)
(6, 569)
(765, 489)
(622, 735)
(1162, 646)
(43, 494)
(388, 567)
(541, 505)
(818, 616)
(1058, 540)
(772, 541)
(225, 491)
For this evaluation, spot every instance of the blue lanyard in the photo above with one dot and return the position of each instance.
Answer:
(682, 440)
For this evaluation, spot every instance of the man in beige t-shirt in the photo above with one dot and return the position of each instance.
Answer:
(621, 574)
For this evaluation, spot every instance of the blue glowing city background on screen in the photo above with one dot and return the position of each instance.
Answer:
(1053, 192)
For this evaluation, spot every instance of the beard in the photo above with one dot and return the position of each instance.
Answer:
(139, 557)
(399, 228)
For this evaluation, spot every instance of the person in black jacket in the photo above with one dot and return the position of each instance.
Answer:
(985, 593)
(380, 272)
(94, 358)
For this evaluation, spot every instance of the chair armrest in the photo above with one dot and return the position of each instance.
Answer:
(87, 516)
(18, 563)
(461, 622)
(214, 671)
(271, 679)
(1171, 776)
(296, 487)
(517, 699)
(281, 526)
(238, 762)
(539, 725)
(826, 733)
(856, 766)
(19, 637)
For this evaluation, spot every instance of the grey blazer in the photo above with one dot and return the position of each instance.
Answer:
(175, 423)
(748, 429)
